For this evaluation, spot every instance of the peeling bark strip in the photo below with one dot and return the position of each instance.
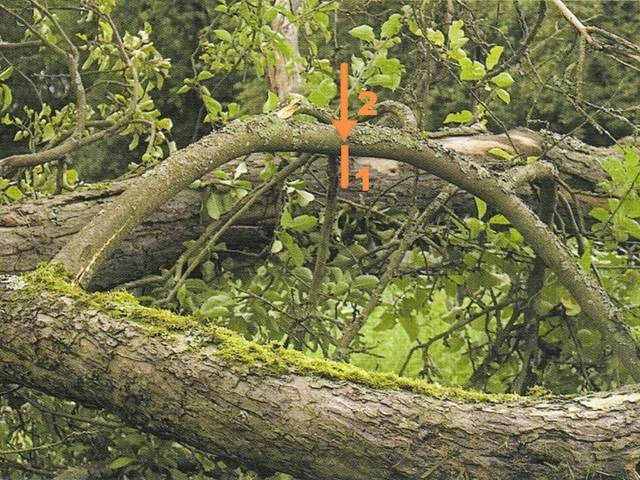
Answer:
(34, 231)
(297, 419)
(84, 254)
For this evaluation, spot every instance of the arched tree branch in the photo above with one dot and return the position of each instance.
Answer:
(86, 252)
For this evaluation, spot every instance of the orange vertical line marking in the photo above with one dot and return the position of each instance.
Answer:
(344, 166)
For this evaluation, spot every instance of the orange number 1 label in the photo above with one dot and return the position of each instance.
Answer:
(364, 175)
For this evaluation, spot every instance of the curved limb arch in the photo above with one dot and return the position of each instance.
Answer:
(85, 252)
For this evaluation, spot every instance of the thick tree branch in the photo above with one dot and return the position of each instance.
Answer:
(34, 231)
(307, 417)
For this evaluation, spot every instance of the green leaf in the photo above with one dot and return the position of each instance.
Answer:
(165, 124)
(410, 326)
(384, 80)
(499, 220)
(234, 109)
(303, 223)
(631, 227)
(465, 116)
(204, 75)
(215, 206)
(13, 193)
(387, 322)
(631, 207)
(414, 28)
(48, 133)
(599, 214)
(571, 306)
(303, 273)
(215, 312)
(135, 141)
(270, 14)
(283, 47)
(503, 80)
(500, 153)
(503, 95)
(305, 198)
(213, 106)
(494, 57)
(184, 89)
(340, 288)
(107, 31)
(223, 35)
(435, 36)
(277, 247)
(214, 306)
(390, 66)
(320, 95)
(295, 253)
(71, 176)
(481, 206)
(365, 282)
(363, 32)
(6, 74)
(456, 35)
(121, 462)
(286, 219)
(392, 26)
(7, 96)
(241, 169)
(471, 70)
(271, 104)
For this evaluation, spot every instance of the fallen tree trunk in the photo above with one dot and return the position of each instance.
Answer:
(307, 417)
(34, 231)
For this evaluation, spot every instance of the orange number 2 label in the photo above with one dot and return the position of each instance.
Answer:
(368, 110)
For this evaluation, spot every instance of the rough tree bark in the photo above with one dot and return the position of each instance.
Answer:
(34, 231)
(279, 411)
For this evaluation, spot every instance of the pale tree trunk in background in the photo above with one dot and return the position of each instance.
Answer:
(285, 79)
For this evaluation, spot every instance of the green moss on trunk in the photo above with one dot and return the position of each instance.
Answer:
(231, 346)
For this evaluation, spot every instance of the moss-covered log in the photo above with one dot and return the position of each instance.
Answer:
(278, 410)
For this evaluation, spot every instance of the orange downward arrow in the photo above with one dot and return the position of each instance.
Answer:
(344, 125)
